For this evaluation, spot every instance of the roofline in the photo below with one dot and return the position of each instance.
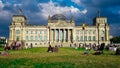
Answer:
(100, 17)
(19, 16)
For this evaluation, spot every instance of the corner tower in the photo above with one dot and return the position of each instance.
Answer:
(16, 28)
(102, 29)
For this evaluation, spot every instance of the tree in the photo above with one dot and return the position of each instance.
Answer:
(115, 39)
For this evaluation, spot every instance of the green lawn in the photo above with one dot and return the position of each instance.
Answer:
(65, 58)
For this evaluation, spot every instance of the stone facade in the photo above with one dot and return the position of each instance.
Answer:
(59, 31)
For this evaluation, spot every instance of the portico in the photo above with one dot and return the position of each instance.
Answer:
(61, 35)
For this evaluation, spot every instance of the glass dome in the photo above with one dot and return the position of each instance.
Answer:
(58, 17)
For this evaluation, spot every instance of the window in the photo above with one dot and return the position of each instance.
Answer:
(93, 32)
(81, 32)
(89, 38)
(17, 38)
(102, 38)
(27, 38)
(40, 32)
(45, 38)
(99, 20)
(44, 32)
(36, 38)
(90, 32)
(85, 38)
(26, 32)
(40, 38)
(77, 38)
(93, 38)
(102, 32)
(85, 31)
(77, 32)
(17, 31)
(81, 38)
(31, 38)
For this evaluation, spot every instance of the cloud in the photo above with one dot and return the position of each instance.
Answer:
(4, 14)
(1, 5)
(15, 5)
(52, 8)
(37, 11)
(76, 1)
(119, 12)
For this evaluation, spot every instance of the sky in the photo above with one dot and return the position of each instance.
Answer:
(37, 11)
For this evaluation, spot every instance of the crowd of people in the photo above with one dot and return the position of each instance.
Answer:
(98, 48)
(15, 45)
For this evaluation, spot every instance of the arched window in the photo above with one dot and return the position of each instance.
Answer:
(17, 31)
(31, 37)
(102, 32)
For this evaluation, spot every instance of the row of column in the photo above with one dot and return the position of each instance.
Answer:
(61, 35)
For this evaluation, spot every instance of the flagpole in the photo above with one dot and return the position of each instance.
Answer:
(98, 13)
(20, 11)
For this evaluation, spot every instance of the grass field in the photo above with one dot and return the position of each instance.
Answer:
(65, 58)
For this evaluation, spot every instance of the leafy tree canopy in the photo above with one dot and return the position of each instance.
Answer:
(115, 39)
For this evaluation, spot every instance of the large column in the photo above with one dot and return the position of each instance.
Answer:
(59, 35)
(63, 35)
(49, 36)
(71, 37)
(54, 35)
(68, 35)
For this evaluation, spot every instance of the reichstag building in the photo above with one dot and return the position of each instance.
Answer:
(59, 31)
